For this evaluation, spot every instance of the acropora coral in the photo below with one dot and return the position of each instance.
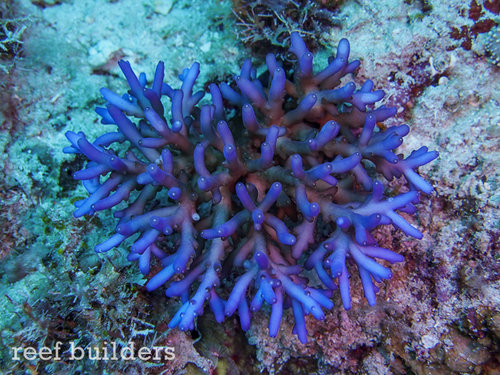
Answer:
(231, 202)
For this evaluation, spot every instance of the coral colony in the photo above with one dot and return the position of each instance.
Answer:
(231, 203)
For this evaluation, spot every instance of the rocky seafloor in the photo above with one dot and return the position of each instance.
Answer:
(440, 313)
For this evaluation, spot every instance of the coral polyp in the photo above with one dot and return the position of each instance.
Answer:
(274, 176)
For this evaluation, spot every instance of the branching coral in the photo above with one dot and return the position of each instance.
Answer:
(207, 196)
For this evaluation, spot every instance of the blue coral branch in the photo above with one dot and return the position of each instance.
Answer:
(269, 179)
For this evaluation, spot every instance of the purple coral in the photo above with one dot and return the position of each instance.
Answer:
(206, 197)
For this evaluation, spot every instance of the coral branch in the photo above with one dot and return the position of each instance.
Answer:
(267, 179)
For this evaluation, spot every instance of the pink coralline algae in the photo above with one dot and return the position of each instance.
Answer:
(267, 195)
